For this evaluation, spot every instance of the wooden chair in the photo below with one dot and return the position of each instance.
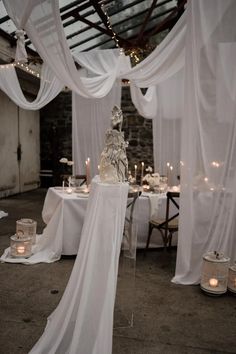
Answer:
(167, 226)
(80, 179)
(128, 236)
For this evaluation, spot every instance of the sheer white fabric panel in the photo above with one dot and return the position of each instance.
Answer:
(166, 60)
(145, 104)
(82, 323)
(208, 188)
(90, 120)
(50, 87)
(167, 127)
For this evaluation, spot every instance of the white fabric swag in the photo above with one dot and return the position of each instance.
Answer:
(50, 42)
(208, 134)
(50, 87)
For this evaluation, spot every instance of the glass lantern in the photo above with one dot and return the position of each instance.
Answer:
(20, 247)
(232, 279)
(26, 228)
(214, 276)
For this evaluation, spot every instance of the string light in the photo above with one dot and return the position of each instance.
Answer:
(114, 36)
(21, 66)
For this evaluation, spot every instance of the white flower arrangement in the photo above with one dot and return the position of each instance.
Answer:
(66, 161)
(152, 179)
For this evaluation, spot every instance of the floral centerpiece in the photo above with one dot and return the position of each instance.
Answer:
(152, 179)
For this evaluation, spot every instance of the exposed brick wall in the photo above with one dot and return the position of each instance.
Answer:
(56, 134)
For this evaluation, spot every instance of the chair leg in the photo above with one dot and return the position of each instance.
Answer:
(165, 240)
(169, 240)
(149, 236)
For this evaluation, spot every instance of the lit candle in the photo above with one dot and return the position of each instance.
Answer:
(142, 169)
(170, 175)
(98, 168)
(20, 249)
(69, 190)
(213, 282)
(167, 172)
(87, 162)
(135, 172)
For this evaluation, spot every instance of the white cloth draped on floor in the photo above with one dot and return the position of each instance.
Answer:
(83, 321)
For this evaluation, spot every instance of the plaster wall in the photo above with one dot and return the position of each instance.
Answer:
(19, 131)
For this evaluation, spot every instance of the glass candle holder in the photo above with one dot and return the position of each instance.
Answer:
(26, 228)
(214, 275)
(232, 279)
(20, 247)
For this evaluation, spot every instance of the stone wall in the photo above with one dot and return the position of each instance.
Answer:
(138, 131)
(56, 135)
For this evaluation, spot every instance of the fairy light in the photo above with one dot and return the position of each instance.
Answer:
(21, 66)
(114, 36)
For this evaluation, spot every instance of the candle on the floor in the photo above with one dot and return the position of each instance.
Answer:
(213, 282)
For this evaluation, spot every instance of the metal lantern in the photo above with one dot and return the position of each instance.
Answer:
(214, 275)
(232, 278)
(26, 228)
(20, 247)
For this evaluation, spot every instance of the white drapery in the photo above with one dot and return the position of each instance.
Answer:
(90, 120)
(208, 188)
(82, 323)
(44, 28)
(208, 132)
(50, 87)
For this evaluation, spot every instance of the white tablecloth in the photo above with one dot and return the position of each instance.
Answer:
(64, 215)
(83, 321)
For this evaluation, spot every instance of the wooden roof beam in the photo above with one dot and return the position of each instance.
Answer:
(145, 22)
(160, 26)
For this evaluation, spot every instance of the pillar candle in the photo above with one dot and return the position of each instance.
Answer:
(135, 172)
(142, 169)
(87, 162)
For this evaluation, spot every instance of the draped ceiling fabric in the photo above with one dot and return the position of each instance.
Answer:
(208, 188)
(90, 120)
(208, 129)
(50, 87)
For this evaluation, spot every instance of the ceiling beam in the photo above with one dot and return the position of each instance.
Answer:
(101, 14)
(101, 29)
(173, 14)
(145, 22)
(131, 39)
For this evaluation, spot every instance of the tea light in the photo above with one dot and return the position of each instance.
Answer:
(20, 248)
(69, 190)
(213, 282)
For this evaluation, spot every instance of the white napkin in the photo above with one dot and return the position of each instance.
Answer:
(155, 202)
(2, 214)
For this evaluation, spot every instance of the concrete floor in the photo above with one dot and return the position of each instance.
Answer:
(168, 318)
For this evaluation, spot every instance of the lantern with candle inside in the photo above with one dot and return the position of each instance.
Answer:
(214, 274)
(26, 228)
(20, 246)
(232, 279)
